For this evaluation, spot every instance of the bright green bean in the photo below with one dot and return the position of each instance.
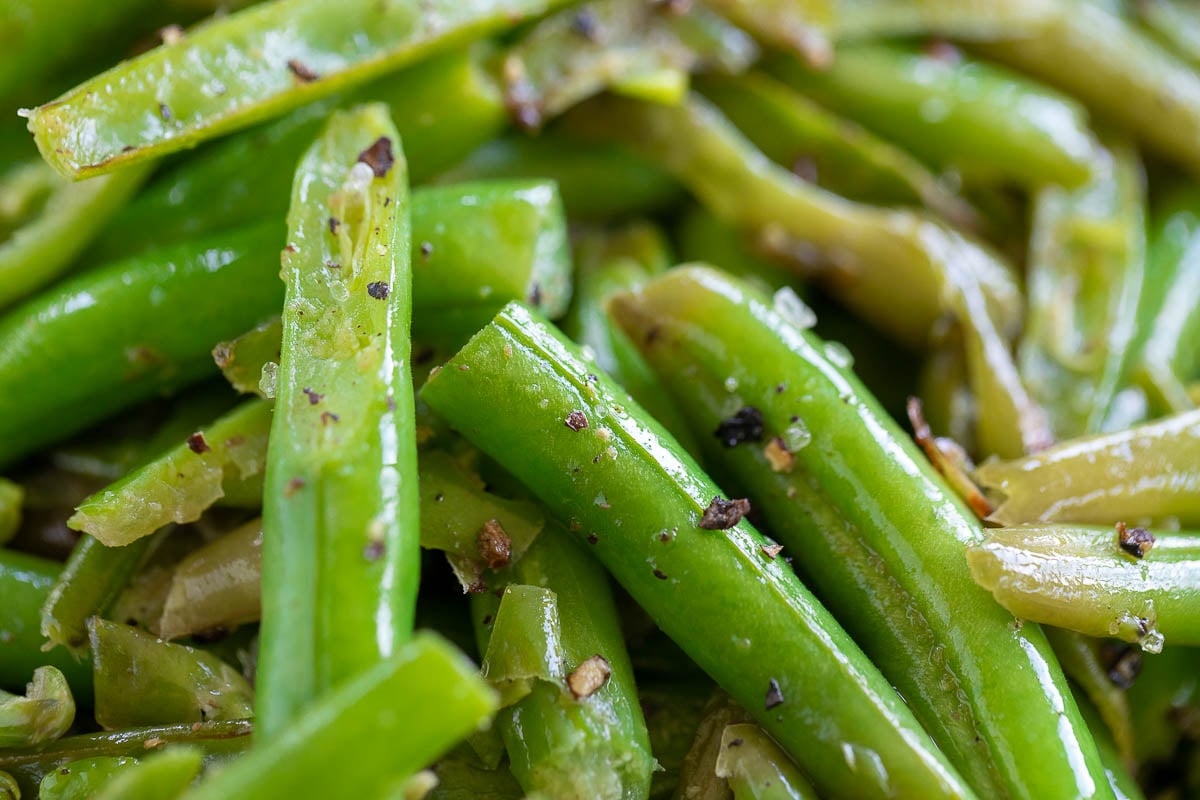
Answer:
(83, 779)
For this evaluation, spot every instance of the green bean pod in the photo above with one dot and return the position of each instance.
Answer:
(390, 721)
(843, 488)
(596, 181)
(798, 134)
(1084, 661)
(981, 20)
(604, 466)
(1087, 251)
(698, 772)
(216, 587)
(568, 745)
(757, 769)
(1147, 474)
(89, 584)
(126, 332)
(182, 483)
(1080, 579)
(219, 741)
(673, 710)
(982, 120)
(1169, 318)
(847, 241)
(1121, 73)
(340, 522)
(1165, 695)
(25, 582)
(247, 67)
(579, 52)
(1120, 780)
(444, 108)
(141, 680)
(1176, 24)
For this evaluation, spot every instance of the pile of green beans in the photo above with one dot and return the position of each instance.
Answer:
(600, 399)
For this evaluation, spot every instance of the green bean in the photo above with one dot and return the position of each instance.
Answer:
(1083, 660)
(1085, 275)
(43, 713)
(9, 790)
(1170, 314)
(961, 19)
(182, 483)
(673, 710)
(11, 497)
(982, 120)
(79, 780)
(698, 773)
(798, 134)
(605, 265)
(623, 485)
(596, 181)
(738, 184)
(36, 253)
(217, 586)
(220, 741)
(90, 582)
(1165, 694)
(457, 515)
(1149, 473)
(703, 237)
(444, 108)
(842, 486)
(247, 67)
(579, 52)
(592, 742)
(128, 331)
(389, 721)
(1078, 578)
(340, 523)
(25, 582)
(1123, 786)
(757, 769)
(41, 37)
(1120, 72)
(241, 360)
(1175, 24)
(141, 680)
(161, 775)
(945, 390)
(802, 27)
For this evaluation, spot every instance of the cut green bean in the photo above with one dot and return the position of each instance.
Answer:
(1170, 317)
(444, 108)
(738, 184)
(673, 710)
(698, 774)
(1079, 578)
(340, 523)
(220, 742)
(83, 779)
(25, 582)
(128, 331)
(961, 19)
(579, 733)
(241, 360)
(1176, 24)
(837, 154)
(1147, 474)
(843, 487)
(757, 769)
(182, 483)
(798, 25)
(581, 51)
(247, 67)
(1123, 74)
(42, 714)
(596, 181)
(1084, 662)
(390, 721)
(90, 582)
(601, 464)
(217, 586)
(1120, 780)
(1085, 275)
(982, 120)
(703, 237)
(141, 680)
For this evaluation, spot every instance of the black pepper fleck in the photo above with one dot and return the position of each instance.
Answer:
(584, 23)
(746, 425)
(658, 573)
(334, 224)
(313, 397)
(302, 73)
(592, 538)
(373, 551)
(1123, 663)
(379, 290)
(774, 694)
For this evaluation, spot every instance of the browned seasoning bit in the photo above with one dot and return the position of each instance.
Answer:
(780, 388)
(1135, 541)
(495, 548)
(592, 538)
(721, 515)
(171, 34)
(487, 620)
(196, 726)
(379, 290)
(153, 742)
(313, 397)
(658, 573)
(197, 443)
(302, 72)
(738, 742)
(949, 459)
(587, 679)
(1122, 661)
(379, 156)
(576, 421)
(942, 50)
(771, 550)
(746, 425)
(374, 550)
(478, 587)
(779, 456)
(334, 225)
(774, 694)
(293, 486)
